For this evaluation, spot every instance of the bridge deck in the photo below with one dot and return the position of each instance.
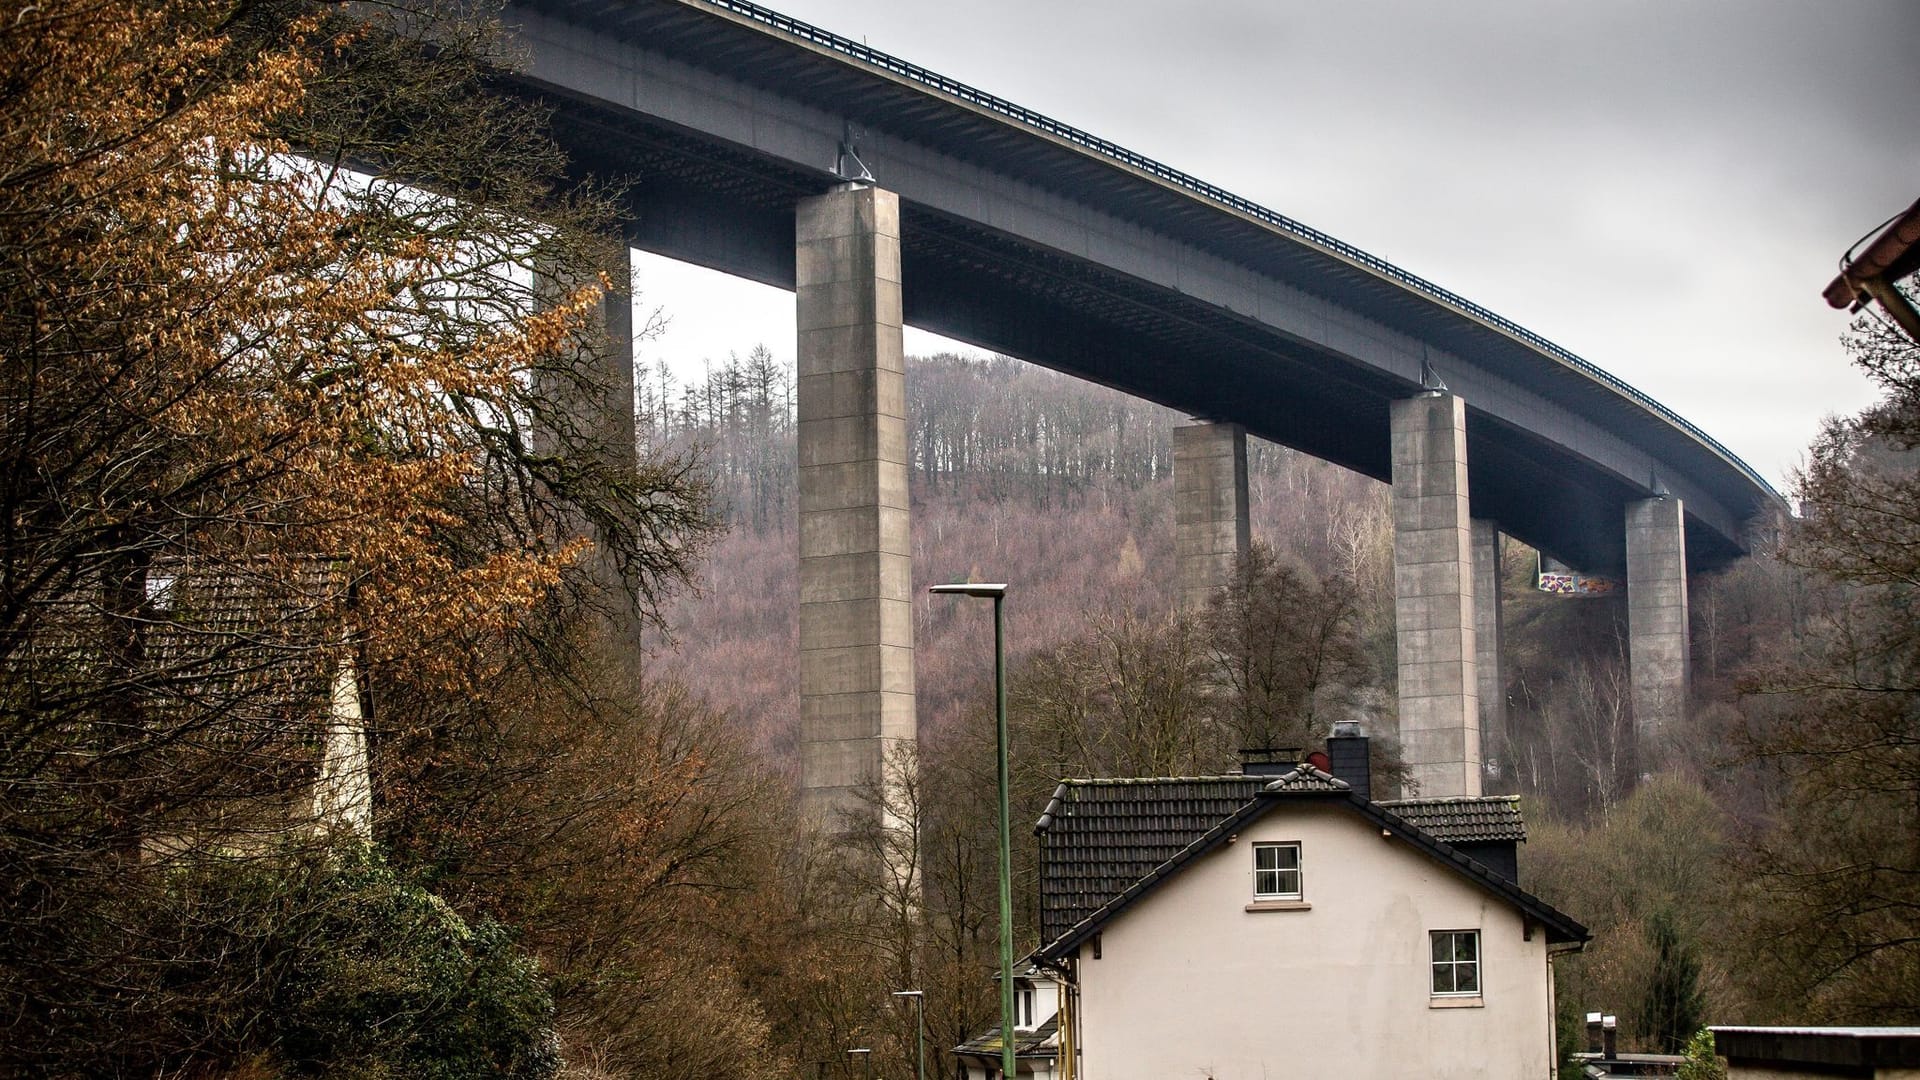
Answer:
(1030, 237)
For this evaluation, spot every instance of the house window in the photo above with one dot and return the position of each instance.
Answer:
(160, 590)
(1023, 1009)
(1276, 871)
(1456, 963)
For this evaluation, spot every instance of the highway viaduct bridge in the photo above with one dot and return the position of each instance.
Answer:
(974, 218)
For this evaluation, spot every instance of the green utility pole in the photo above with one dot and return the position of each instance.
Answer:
(998, 593)
(919, 1030)
(1006, 843)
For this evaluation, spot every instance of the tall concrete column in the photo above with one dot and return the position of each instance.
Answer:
(1492, 674)
(603, 405)
(856, 577)
(1210, 507)
(1657, 647)
(601, 417)
(1433, 596)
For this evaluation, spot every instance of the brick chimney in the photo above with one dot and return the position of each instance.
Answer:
(1347, 751)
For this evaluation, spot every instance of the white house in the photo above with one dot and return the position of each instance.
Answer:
(247, 652)
(1036, 1033)
(1284, 924)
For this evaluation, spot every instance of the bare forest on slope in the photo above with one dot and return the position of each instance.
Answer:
(1064, 489)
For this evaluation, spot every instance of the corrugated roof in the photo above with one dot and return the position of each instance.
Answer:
(1464, 820)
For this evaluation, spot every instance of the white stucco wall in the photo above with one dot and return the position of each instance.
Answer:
(1192, 985)
(343, 793)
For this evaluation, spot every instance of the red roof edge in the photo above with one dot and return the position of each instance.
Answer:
(1892, 255)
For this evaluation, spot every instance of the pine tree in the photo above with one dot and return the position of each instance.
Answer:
(1674, 1008)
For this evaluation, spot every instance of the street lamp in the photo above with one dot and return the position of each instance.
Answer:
(919, 1029)
(998, 593)
(865, 1054)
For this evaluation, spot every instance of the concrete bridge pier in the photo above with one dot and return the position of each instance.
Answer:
(1210, 507)
(856, 574)
(1490, 672)
(605, 410)
(1658, 651)
(1433, 580)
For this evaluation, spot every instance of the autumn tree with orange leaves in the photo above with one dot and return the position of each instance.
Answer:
(277, 314)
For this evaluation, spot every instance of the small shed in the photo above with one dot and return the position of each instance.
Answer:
(1789, 1053)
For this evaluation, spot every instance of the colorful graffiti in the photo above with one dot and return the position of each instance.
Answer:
(1567, 583)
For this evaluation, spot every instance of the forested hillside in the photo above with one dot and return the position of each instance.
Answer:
(1061, 487)
(1064, 489)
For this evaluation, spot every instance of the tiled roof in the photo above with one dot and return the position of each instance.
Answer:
(1042, 1041)
(1101, 836)
(242, 638)
(1107, 843)
(1463, 820)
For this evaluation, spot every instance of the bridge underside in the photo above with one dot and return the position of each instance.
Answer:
(733, 210)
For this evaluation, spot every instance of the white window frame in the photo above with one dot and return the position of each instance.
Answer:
(1453, 965)
(1023, 1007)
(160, 589)
(1279, 873)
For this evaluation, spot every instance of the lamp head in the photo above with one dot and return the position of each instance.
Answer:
(972, 588)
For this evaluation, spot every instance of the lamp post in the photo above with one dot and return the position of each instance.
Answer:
(998, 593)
(865, 1054)
(919, 1030)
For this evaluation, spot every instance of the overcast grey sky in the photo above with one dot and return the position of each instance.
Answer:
(1661, 186)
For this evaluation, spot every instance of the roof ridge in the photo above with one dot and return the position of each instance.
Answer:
(1117, 781)
(1303, 775)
